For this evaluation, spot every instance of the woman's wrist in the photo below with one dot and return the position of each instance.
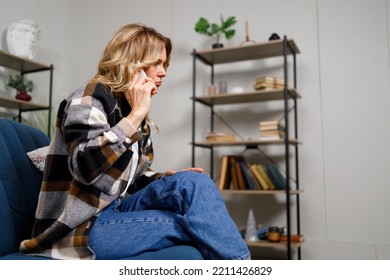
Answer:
(135, 119)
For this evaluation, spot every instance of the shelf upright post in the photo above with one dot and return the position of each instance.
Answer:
(286, 144)
(296, 153)
(50, 101)
(212, 127)
(295, 109)
(193, 106)
(22, 73)
(20, 115)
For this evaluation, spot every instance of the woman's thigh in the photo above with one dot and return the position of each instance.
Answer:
(117, 234)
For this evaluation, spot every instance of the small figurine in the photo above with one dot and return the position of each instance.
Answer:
(22, 38)
(247, 40)
(251, 230)
(274, 36)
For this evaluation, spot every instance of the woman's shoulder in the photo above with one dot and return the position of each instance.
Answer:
(94, 90)
(90, 95)
(91, 91)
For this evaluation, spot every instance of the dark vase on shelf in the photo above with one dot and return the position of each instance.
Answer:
(217, 45)
(23, 95)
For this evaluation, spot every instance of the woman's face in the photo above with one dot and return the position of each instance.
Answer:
(157, 71)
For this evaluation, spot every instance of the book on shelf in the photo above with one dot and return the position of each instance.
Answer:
(224, 178)
(277, 135)
(263, 174)
(250, 181)
(257, 183)
(266, 87)
(271, 125)
(242, 183)
(280, 176)
(237, 180)
(268, 83)
(236, 173)
(220, 137)
(272, 122)
(270, 79)
(271, 130)
(259, 178)
(235, 185)
(275, 176)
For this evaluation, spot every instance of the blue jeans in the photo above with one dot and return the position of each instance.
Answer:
(185, 208)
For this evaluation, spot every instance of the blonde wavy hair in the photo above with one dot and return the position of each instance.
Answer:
(132, 46)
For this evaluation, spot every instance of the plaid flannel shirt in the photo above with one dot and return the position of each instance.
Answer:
(89, 165)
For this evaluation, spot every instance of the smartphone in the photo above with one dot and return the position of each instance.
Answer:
(141, 74)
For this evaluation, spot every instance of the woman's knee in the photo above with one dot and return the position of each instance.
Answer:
(192, 175)
(193, 181)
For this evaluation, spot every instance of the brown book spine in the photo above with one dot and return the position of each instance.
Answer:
(233, 173)
(224, 178)
(240, 175)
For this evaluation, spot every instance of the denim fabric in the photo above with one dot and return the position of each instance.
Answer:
(185, 208)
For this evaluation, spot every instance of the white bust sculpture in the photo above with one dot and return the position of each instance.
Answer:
(22, 38)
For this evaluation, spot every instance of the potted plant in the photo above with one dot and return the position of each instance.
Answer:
(21, 86)
(214, 30)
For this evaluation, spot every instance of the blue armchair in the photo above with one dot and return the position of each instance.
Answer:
(20, 183)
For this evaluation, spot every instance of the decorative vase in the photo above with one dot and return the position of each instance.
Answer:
(217, 45)
(23, 95)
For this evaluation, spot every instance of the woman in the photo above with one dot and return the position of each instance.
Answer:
(102, 152)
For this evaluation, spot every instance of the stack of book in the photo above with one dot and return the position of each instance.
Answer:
(238, 174)
(268, 83)
(271, 130)
(220, 137)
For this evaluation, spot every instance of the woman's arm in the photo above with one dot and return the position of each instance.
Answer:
(98, 142)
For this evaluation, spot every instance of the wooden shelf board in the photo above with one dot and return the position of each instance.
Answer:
(260, 192)
(209, 144)
(21, 105)
(20, 64)
(281, 244)
(245, 97)
(240, 53)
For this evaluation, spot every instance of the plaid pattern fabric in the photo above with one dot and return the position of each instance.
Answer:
(89, 165)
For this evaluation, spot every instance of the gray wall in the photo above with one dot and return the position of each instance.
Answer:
(343, 77)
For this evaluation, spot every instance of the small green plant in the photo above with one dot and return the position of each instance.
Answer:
(203, 26)
(19, 84)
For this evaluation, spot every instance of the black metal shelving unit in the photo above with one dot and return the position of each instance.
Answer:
(26, 66)
(277, 48)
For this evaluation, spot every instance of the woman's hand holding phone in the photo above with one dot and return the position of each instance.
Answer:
(139, 96)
